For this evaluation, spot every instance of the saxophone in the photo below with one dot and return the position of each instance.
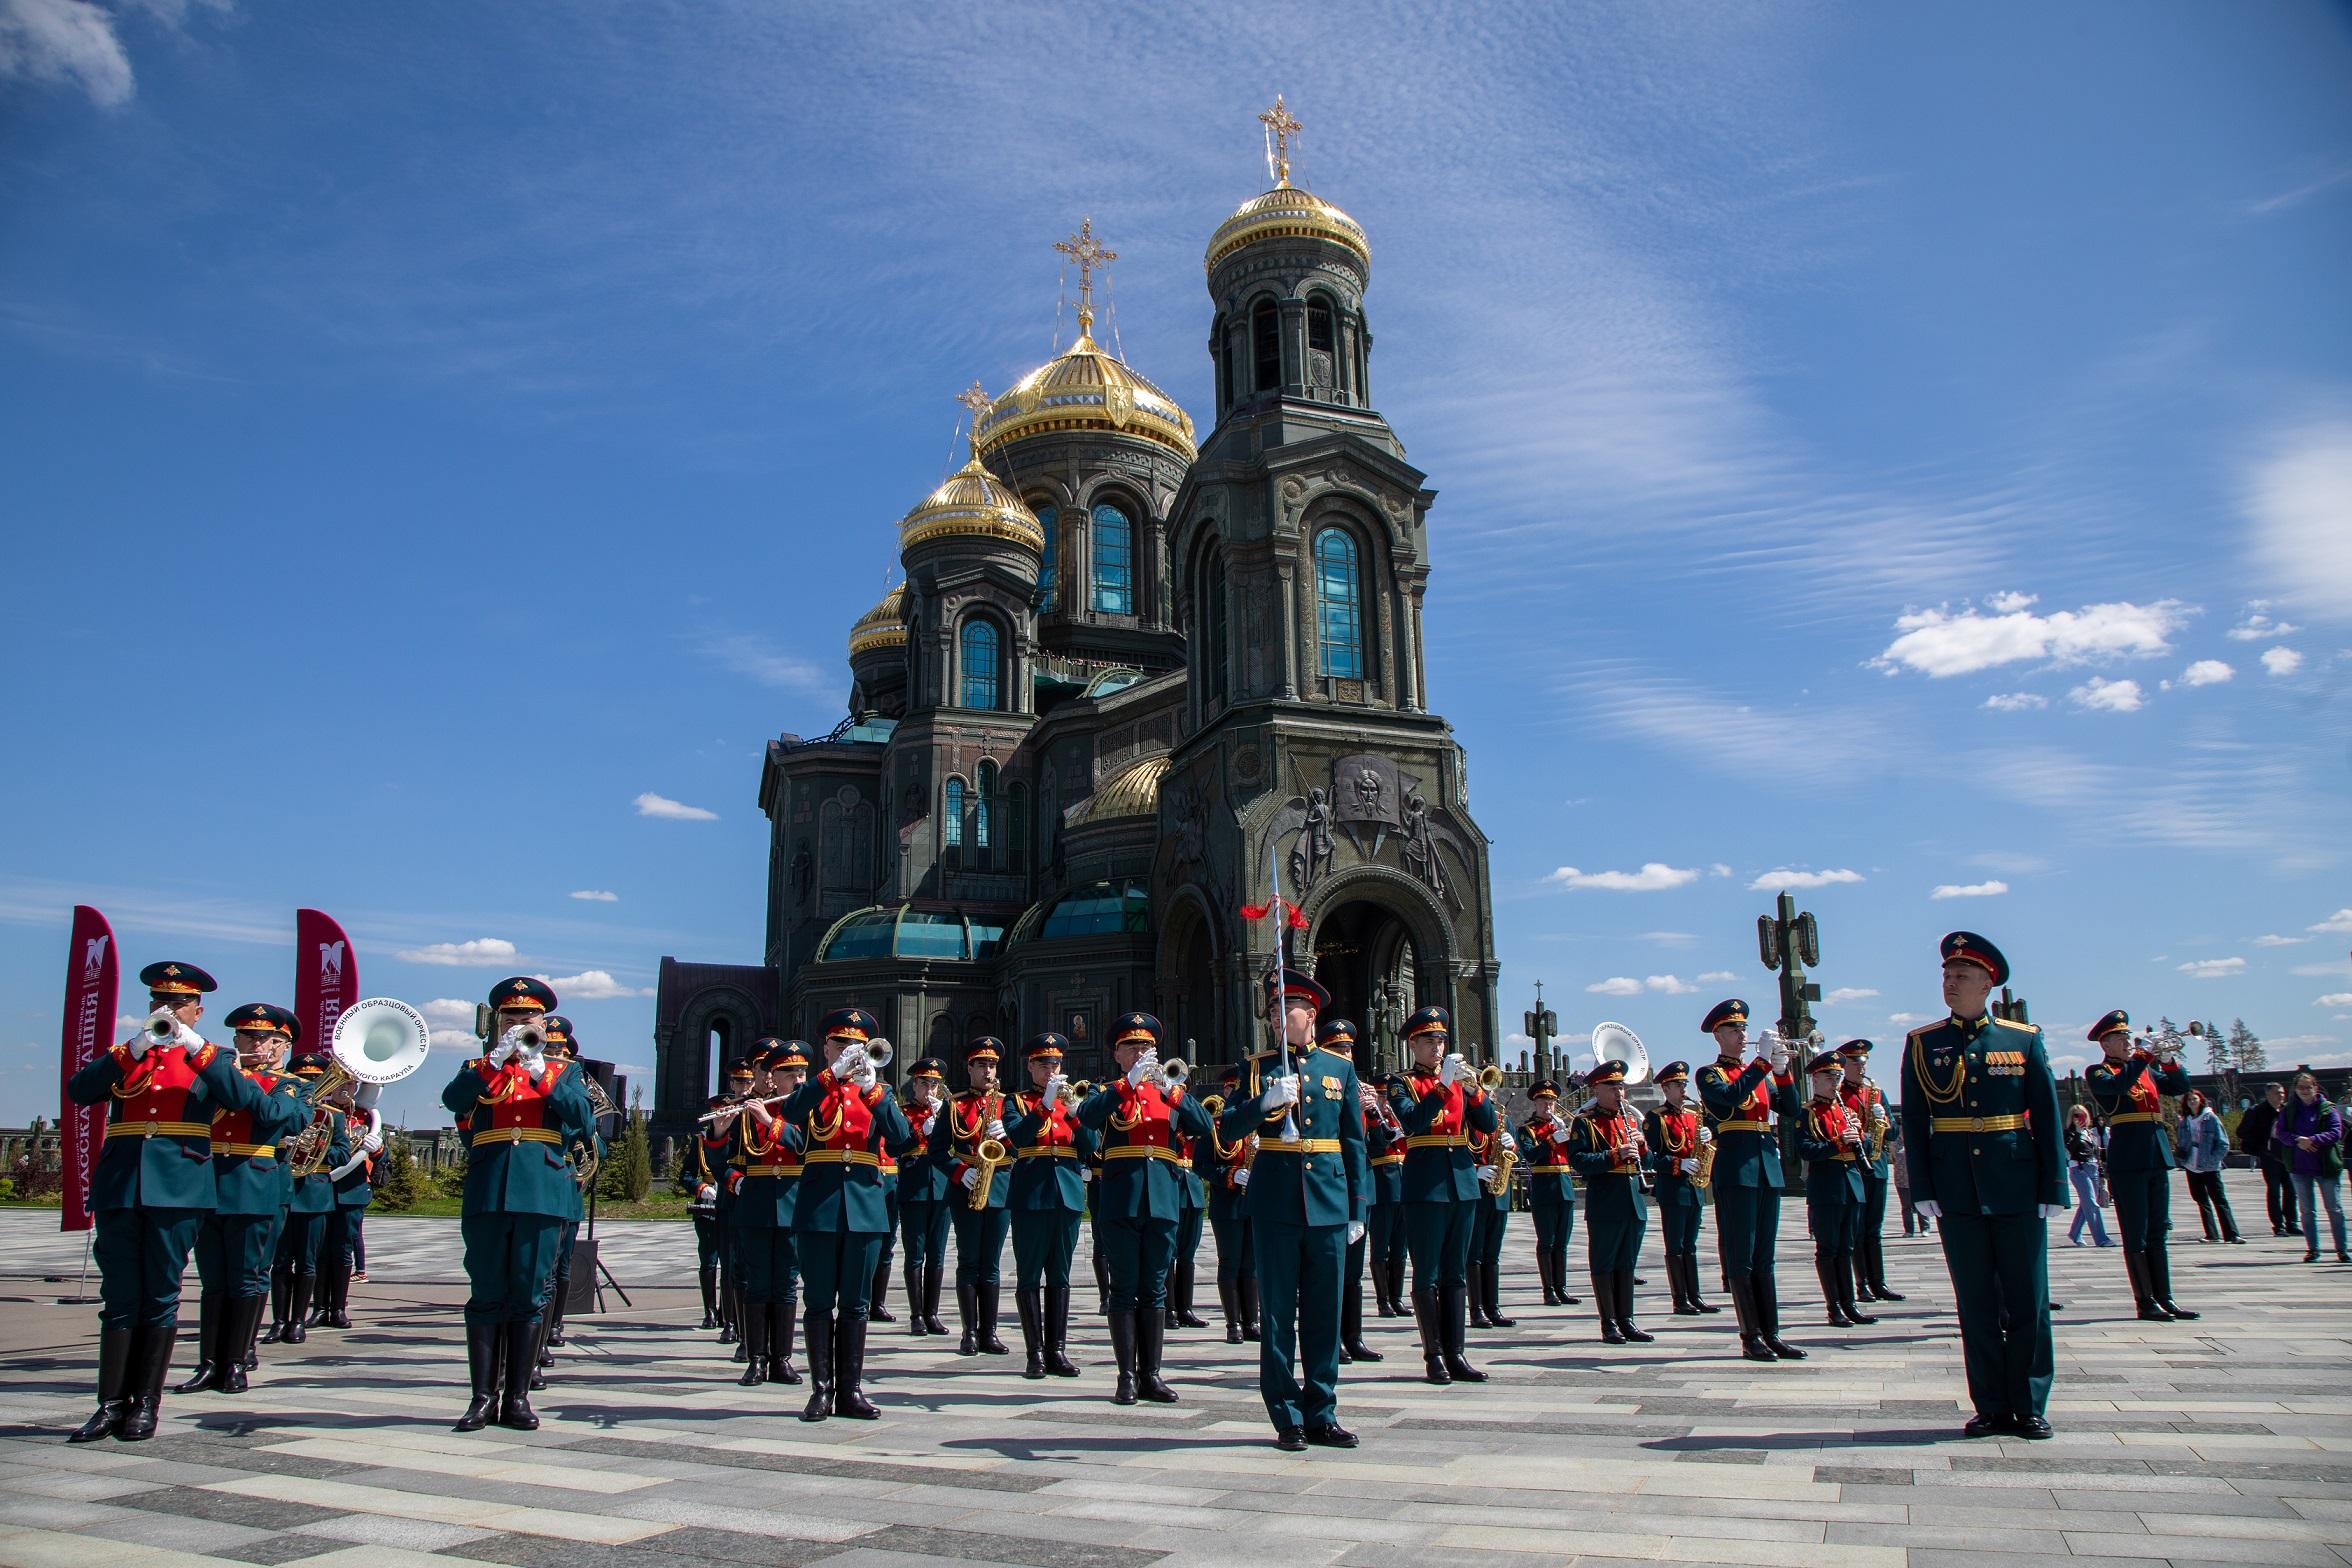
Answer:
(1506, 1157)
(1706, 1170)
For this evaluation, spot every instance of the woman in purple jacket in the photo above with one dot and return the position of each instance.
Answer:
(2310, 1134)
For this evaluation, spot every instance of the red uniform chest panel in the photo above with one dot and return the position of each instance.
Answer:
(845, 1119)
(1678, 1130)
(157, 1086)
(2143, 1092)
(514, 1099)
(1536, 1137)
(237, 1126)
(1142, 1117)
(1449, 1115)
(1831, 1119)
(1058, 1131)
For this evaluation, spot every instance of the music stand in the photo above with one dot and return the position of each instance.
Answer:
(587, 1286)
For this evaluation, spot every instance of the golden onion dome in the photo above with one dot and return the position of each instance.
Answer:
(1133, 791)
(973, 503)
(1085, 389)
(881, 627)
(1286, 212)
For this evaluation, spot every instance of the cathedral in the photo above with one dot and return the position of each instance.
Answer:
(1132, 685)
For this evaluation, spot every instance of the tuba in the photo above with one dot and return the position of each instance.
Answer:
(377, 1040)
(585, 1162)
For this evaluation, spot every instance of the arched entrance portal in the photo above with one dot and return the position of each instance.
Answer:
(1365, 956)
(1187, 985)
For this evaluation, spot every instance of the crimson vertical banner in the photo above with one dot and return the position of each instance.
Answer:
(89, 1019)
(326, 978)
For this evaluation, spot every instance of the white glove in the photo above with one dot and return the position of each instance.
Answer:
(1086, 1173)
(1780, 1064)
(2050, 1211)
(1241, 1177)
(503, 1051)
(1281, 1094)
(534, 1062)
(1928, 1208)
(136, 1046)
(971, 1178)
(1485, 1173)
(1509, 1142)
(1146, 1066)
(186, 1037)
(995, 1128)
(706, 1193)
(373, 1143)
(1057, 1088)
(1355, 1231)
(1687, 1167)
(1452, 1071)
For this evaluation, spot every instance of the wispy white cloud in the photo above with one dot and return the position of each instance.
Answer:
(1616, 985)
(2257, 624)
(1774, 881)
(1668, 938)
(2334, 999)
(2341, 920)
(1847, 993)
(1627, 985)
(668, 810)
(2296, 195)
(2274, 940)
(748, 654)
(1786, 746)
(2212, 968)
(1717, 977)
(2298, 496)
(481, 952)
(1943, 641)
(1654, 876)
(1992, 888)
(2100, 695)
(1908, 1019)
(595, 895)
(2284, 661)
(592, 985)
(2207, 672)
(65, 43)
(2015, 701)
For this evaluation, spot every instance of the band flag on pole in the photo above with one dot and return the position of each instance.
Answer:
(90, 979)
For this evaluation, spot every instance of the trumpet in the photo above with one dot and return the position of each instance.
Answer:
(1490, 1078)
(162, 1027)
(990, 1155)
(1173, 1072)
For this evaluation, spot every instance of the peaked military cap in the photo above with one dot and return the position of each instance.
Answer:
(1231, 1075)
(849, 1023)
(1543, 1089)
(2118, 1019)
(1672, 1072)
(1826, 1062)
(986, 1048)
(1046, 1044)
(1855, 1047)
(310, 1066)
(1607, 1072)
(1301, 987)
(788, 1053)
(1974, 949)
(929, 1068)
(521, 993)
(1429, 1020)
(1729, 1011)
(1135, 1026)
(741, 1067)
(558, 1032)
(172, 978)
(1335, 1033)
(265, 1018)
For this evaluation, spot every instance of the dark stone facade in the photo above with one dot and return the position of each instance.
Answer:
(1244, 702)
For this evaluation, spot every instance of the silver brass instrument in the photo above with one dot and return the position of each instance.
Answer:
(378, 1040)
(1174, 1072)
(1613, 1042)
(585, 1162)
(162, 1027)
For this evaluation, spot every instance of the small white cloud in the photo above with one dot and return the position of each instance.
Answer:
(1517, 1042)
(1942, 642)
(592, 985)
(1717, 977)
(2341, 920)
(64, 43)
(1669, 938)
(1911, 1018)
(2015, 701)
(482, 950)
(448, 1010)
(1671, 985)
(596, 895)
(2258, 625)
(2282, 661)
(2012, 602)
(2212, 968)
(1654, 876)
(763, 661)
(1773, 881)
(126, 1024)
(652, 805)
(2298, 496)
(2275, 940)
(2100, 695)
(1616, 985)
(1991, 888)
(2207, 672)
(2335, 999)
(1848, 993)
(1719, 869)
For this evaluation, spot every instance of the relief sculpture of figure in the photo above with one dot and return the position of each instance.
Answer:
(1310, 856)
(1420, 847)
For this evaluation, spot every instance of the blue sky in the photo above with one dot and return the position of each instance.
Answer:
(1897, 450)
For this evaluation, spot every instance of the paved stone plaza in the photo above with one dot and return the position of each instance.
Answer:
(2228, 1440)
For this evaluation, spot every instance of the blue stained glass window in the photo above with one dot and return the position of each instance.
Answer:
(951, 816)
(1047, 518)
(1114, 561)
(1339, 596)
(983, 804)
(979, 664)
(927, 934)
(1099, 909)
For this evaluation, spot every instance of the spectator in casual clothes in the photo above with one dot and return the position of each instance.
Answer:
(2203, 1148)
(2254, 1140)
(2082, 1168)
(2311, 1132)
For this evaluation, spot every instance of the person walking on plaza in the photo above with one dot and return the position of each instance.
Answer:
(2255, 1142)
(2310, 1133)
(2203, 1148)
(1441, 1105)
(302, 1240)
(2128, 1087)
(1740, 1098)
(2082, 1169)
(1980, 1132)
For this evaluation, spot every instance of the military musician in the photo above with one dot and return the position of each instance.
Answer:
(767, 1174)
(1046, 1197)
(1863, 1099)
(1739, 1098)
(354, 1179)
(1493, 1154)
(1441, 1105)
(1237, 1267)
(701, 1168)
(1980, 1131)
(1677, 1144)
(2128, 1085)
(974, 1127)
(1551, 1191)
(1192, 1213)
(1384, 1241)
(1338, 1036)
(927, 1194)
(742, 1073)
(562, 1051)
(1606, 1146)
(1831, 1141)
(302, 1240)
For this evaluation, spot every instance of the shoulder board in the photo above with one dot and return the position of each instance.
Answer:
(1923, 1029)
(2010, 1023)
(1259, 1056)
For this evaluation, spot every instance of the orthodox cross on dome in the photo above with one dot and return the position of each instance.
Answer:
(1090, 253)
(975, 397)
(1280, 128)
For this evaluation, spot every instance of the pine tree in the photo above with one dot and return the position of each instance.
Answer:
(2245, 1048)
(2168, 1035)
(628, 1165)
(398, 1182)
(2217, 1049)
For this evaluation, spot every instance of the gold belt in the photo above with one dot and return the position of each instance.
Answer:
(1975, 1123)
(159, 1129)
(1437, 1140)
(840, 1157)
(1049, 1151)
(515, 1135)
(1387, 1159)
(1152, 1151)
(259, 1151)
(1295, 1146)
(1549, 1170)
(2131, 1116)
(1723, 1127)
(771, 1170)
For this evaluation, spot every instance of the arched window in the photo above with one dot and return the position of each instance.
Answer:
(1339, 592)
(1265, 347)
(1213, 626)
(979, 660)
(983, 814)
(951, 821)
(1319, 335)
(1046, 519)
(1114, 561)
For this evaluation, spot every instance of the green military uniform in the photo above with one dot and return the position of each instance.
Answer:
(150, 1190)
(1191, 1223)
(1863, 1100)
(1980, 1137)
(768, 1156)
(978, 1201)
(2140, 1164)
(237, 1241)
(1833, 1194)
(1046, 1197)
(1673, 1143)
(926, 1198)
(702, 1173)
(1139, 1197)
(1739, 1102)
(1490, 1216)
(590, 1151)
(1615, 1214)
(355, 1190)
(1384, 1247)
(310, 1203)
(739, 1078)
(1551, 1191)
(1308, 1184)
(1441, 1193)
(1237, 1267)
(1338, 1036)
(840, 1214)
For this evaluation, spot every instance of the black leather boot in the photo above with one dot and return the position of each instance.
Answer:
(1690, 1277)
(2158, 1260)
(755, 1344)
(1123, 1352)
(1351, 1326)
(482, 1344)
(281, 1287)
(729, 1315)
(150, 1365)
(917, 1325)
(1874, 1263)
(1382, 1302)
(1168, 1298)
(1187, 1275)
(782, 1317)
(2135, 1269)
(114, 1363)
(1151, 1337)
(541, 1359)
(1847, 1275)
(1249, 1308)
(878, 1295)
(1396, 1284)
(934, 1274)
(1229, 1298)
(1456, 1324)
(849, 1374)
(557, 1301)
(1102, 1284)
(1030, 1304)
(256, 1313)
(819, 1328)
(1057, 1332)
(211, 1336)
(1674, 1283)
(1833, 1289)
(1426, 1309)
(1476, 1292)
(244, 1322)
(1491, 1278)
(1604, 1285)
(1768, 1316)
(990, 1297)
(1743, 1305)
(514, 1406)
(298, 1294)
(708, 1278)
(1633, 1331)
(968, 1309)
(337, 1312)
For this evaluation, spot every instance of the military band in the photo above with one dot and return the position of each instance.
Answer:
(237, 1241)
(302, 1240)
(1441, 1105)
(2127, 1086)
(1605, 1146)
(1830, 1141)
(1864, 1100)
(767, 1171)
(972, 1138)
(1740, 1098)
(1046, 1195)
(1678, 1157)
